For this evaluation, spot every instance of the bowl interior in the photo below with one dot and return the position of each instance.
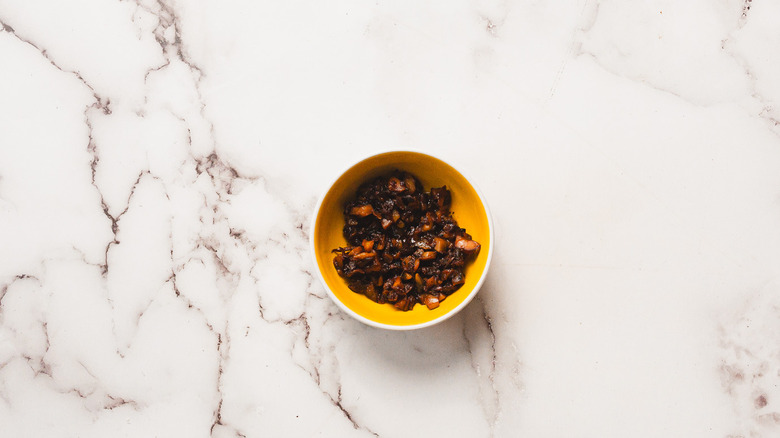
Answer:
(468, 210)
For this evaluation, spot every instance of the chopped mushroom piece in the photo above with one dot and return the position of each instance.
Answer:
(410, 184)
(362, 211)
(428, 255)
(441, 245)
(418, 279)
(431, 301)
(404, 246)
(395, 185)
(467, 245)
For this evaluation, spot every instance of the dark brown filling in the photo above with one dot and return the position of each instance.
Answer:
(404, 246)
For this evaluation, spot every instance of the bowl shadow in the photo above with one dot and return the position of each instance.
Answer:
(427, 349)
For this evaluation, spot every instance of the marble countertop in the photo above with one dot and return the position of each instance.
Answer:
(160, 160)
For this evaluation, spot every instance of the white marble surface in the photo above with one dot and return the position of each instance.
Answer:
(159, 161)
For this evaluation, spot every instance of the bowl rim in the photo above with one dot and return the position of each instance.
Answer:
(370, 322)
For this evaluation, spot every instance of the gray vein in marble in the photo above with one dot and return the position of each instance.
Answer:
(169, 19)
(749, 372)
(112, 401)
(108, 401)
(725, 46)
(99, 102)
(223, 353)
(104, 105)
(588, 16)
(117, 402)
(114, 219)
(220, 174)
(641, 81)
(767, 111)
(302, 321)
(315, 362)
(221, 177)
(41, 367)
(17, 277)
(589, 20)
(489, 393)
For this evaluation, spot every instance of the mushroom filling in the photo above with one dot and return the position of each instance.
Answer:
(404, 246)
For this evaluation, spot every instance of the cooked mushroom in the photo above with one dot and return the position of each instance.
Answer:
(467, 245)
(441, 245)
(430, 301)
(428, 255)
(404, 246)
(361, 211)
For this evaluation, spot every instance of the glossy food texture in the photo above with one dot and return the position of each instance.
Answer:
(327, 232)
(404, 246)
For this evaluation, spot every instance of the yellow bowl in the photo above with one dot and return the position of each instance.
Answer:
(469, 209)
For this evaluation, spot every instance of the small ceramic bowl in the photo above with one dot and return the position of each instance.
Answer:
(469, 209)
